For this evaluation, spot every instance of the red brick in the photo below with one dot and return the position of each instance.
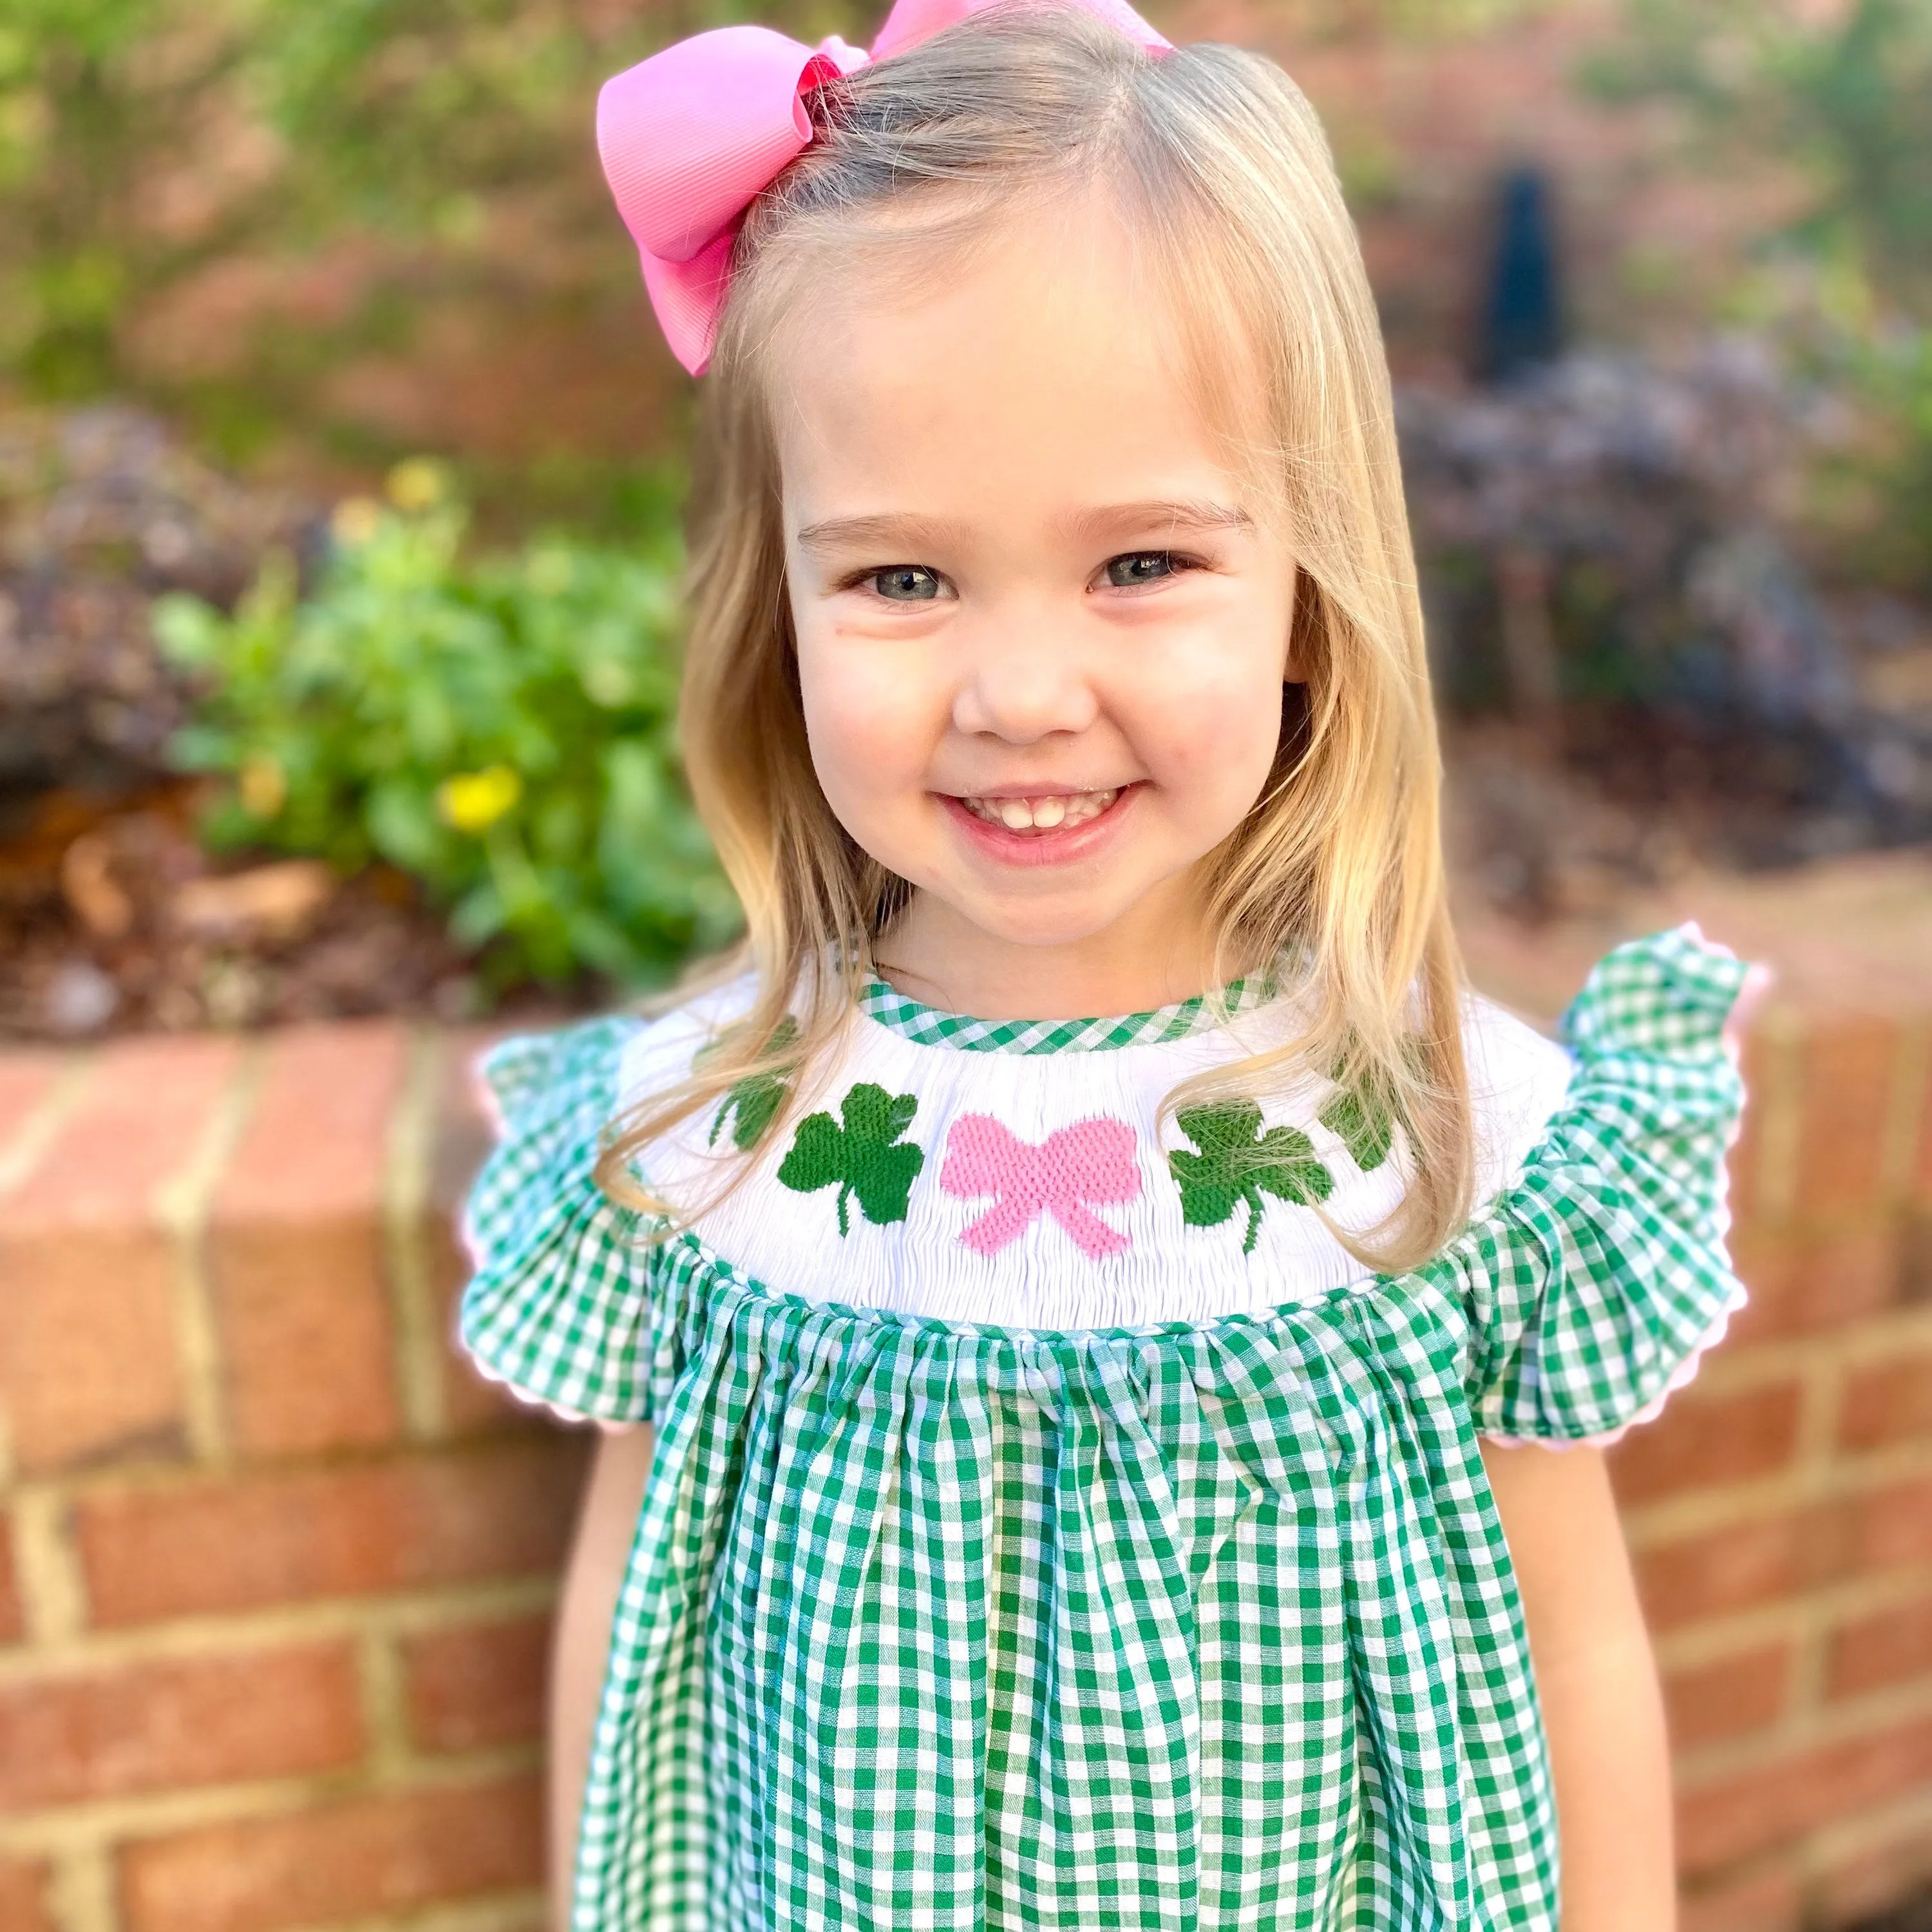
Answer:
(479, 1686)
(1757, 1810)
(1888, 1647)
(463, 1136)
(1888, 1528)
(27, 1077)
(179, 1722)
(24, 1906)
(13, 1621)
(1887, 1402)
(1702, 1438)
(1850, 1066)
(1804, 1286)
(1729, 1698)
(1719, 1571)
(88, 1369)
(298, 1247)
(1878, 1877)
(1760, 1097)
(1765, 1900)
(497, 1510)
(371, 1857)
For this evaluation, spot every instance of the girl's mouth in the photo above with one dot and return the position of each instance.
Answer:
(1047, 813)
(1046, 829)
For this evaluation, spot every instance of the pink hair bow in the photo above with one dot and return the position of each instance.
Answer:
(689, 139)
(1091, 1162)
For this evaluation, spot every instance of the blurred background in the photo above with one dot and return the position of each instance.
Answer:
(340, 475)
(340, 468)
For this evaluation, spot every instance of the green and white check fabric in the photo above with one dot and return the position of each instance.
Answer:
(932, 1026)
(933, 1625)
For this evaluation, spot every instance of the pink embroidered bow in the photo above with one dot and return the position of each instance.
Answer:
(1092, 1161)
(690, 137)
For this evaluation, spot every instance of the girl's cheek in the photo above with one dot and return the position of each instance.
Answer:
(868, 716)
(1211, 731)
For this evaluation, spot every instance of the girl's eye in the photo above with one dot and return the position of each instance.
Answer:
(1141, 566)
(907, 584)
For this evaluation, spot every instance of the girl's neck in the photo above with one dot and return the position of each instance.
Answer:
(933, 956)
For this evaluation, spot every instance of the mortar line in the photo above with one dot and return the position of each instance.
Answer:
(57, 1830)
(82, 1891)
(1815, 1468)
(378, 1671)
(1755, 1499)
(22, 1153)
(52, 1594)
(343, 1619)
(518, 1910)
(406, 1200)
(1728, 1633)
(183, 1205)
(1780, 1137)
(1851, 1719)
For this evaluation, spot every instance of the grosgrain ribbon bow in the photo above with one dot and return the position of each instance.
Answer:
(689, 139)
(1091, 1162)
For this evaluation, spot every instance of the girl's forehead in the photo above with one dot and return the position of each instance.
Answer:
(1045, 351)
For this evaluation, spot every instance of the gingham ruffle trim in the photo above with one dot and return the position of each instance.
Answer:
(1590, 1289)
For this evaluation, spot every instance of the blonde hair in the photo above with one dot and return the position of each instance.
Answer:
(1219, 165)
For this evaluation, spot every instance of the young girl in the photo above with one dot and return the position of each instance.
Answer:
(1065, 1471)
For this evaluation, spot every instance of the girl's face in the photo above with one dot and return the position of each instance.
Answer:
(1042, 632)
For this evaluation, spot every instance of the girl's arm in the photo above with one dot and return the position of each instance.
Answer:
(1597, 1680)
(605, 1524)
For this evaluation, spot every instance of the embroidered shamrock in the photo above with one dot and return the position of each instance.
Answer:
(1238, 1163)
(1365, 1129)
(751, 1102)
(865, 1157)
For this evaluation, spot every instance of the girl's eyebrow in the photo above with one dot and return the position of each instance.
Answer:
(1178, 517)
(906, 535)
(911, 534)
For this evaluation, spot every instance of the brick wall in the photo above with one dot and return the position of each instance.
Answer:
(276, 1570)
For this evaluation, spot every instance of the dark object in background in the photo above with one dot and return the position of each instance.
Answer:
(1521, 326)
(100, 510)
(1604, 569)
(1914, 1915)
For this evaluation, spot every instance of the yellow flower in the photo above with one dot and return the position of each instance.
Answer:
(356, 521)
(263, 785)
(474, 801)
(417, 484)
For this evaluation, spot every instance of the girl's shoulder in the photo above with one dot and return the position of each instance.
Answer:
(1599, 1275)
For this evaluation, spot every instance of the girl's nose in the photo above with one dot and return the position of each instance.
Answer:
(1020, 682)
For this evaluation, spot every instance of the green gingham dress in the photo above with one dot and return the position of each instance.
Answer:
(1049, 1525)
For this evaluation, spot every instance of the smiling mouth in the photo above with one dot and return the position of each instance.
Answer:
(1049, 811)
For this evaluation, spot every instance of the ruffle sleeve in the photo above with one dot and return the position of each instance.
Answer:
(1595, 1283)
(557, 1308)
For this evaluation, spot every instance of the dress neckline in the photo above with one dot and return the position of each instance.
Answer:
(934, 1026)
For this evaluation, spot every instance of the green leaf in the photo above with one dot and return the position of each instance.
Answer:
(865, 1157)
(1366, 1130)
(1237, 1163)
(750, 1103)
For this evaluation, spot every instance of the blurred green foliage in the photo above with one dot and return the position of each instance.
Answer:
(143, 142)
(1839, 101)
(500, 728)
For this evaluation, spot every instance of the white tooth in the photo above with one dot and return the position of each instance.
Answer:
(1049, 810)
(1016, 813)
